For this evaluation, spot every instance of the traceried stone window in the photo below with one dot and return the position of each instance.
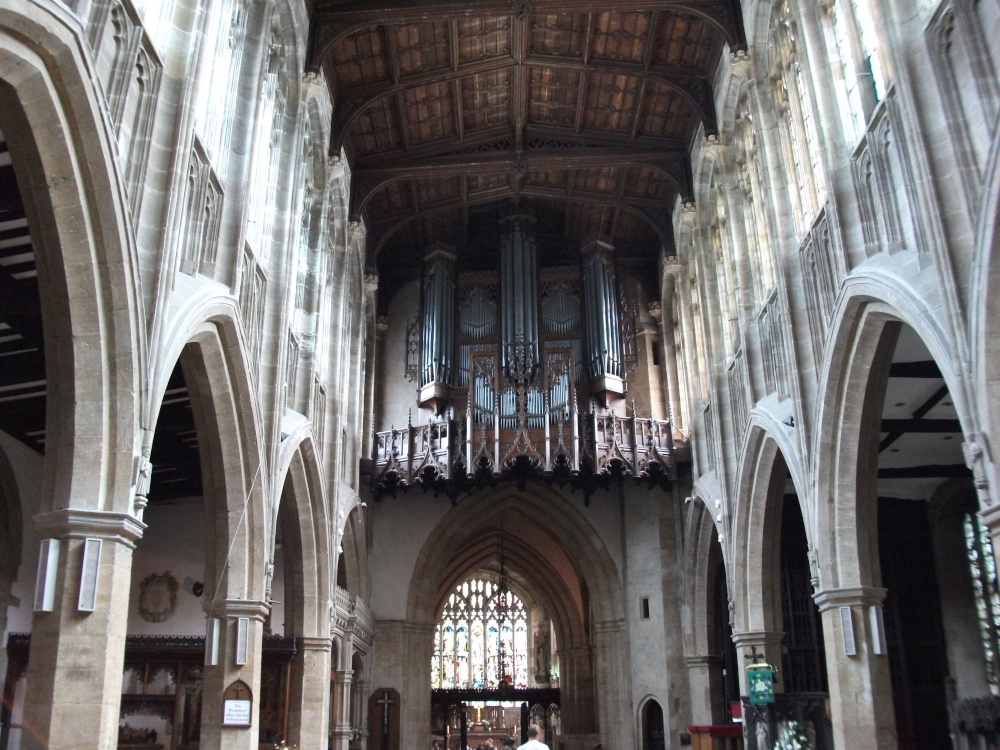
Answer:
(222, 52)
(983, 569)
(722, 249)
(751, 182)
(795, 119)
(468, 636)
(863, 78)
(266, 150)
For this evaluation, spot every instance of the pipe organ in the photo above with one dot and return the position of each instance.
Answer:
(604, 344)
(507, 358)
(438, 326)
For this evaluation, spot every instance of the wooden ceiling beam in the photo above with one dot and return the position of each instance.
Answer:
(334, 21)
(692, 84)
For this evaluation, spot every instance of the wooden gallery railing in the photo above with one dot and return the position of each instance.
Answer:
(587, 451)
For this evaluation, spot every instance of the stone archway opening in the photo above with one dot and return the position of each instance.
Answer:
(929, 540)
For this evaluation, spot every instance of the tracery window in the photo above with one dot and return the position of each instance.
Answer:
(750, 178)
(795, 118)
(863, 78)
(468, 637)
(725, 269)
(266, 151)
(221, 55)
(983, 569)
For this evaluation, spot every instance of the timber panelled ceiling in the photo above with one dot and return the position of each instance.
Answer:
(582, 112)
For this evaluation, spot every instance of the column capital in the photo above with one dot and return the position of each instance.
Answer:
(80, 523)
(703, 660)
(233, 608)
(851, 596)
(315, 643)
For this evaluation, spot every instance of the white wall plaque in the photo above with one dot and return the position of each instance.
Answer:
(236, 713)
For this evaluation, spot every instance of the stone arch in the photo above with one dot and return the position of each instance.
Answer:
(208, 343)
(232, 461)
(353, 549)
(64, 155)
(700, 555)
(864, 332)
(646, 714)
(754, 549)
(984, 315)
(301, 510)
(597, 613)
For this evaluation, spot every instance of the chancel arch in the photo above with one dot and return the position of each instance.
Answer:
(557, 557)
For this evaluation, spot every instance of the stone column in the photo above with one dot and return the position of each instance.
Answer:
(860, 687)
(670, 352)
(342, 711)
(74, 673)
(226, 672)
(705, 675)
(309, 697)
(576, 684)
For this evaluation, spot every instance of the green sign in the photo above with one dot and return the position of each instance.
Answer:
(760, 682)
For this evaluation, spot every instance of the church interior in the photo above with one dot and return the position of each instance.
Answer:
(403, 374)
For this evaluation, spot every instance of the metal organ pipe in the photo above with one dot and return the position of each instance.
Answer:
(519, 284)
(603, 334)
(438, 337)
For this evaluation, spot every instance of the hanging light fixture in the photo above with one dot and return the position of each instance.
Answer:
(505, 676)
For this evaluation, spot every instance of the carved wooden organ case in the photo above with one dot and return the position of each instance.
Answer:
(515, 364)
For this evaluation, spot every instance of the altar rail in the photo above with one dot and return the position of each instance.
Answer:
(455, 456)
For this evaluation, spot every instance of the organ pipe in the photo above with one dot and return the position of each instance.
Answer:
(437, 325)
(519, 294)
(603, 331)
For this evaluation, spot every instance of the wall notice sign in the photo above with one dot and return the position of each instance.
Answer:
(236, 713)
(237, 705)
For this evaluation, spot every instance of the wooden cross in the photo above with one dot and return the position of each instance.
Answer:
(385, 701)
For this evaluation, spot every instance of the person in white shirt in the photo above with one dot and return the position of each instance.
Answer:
(533, 743)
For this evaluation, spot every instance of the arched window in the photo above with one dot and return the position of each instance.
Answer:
(266, 150)
(983, 568)
(863, 83)
(757, 235)
(795, 119)
(221, 55)
(469, 632)
(722, 250)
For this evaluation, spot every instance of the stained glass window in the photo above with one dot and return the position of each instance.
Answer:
(472, 625)
(983, 568)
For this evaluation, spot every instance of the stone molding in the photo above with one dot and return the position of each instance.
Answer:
(315, 643)
(232, 608)
(703, 660)
(81, 523)
(853, 596)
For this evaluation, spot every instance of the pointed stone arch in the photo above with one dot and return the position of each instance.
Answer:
(760, 487)
(599, 610)
(63, 153)
(64, 156)
(301, 509)
(984, 319)
(301, 516)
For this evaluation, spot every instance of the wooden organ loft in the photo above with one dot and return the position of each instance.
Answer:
(525, 370)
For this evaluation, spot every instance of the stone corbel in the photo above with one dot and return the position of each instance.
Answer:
(740, 64)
